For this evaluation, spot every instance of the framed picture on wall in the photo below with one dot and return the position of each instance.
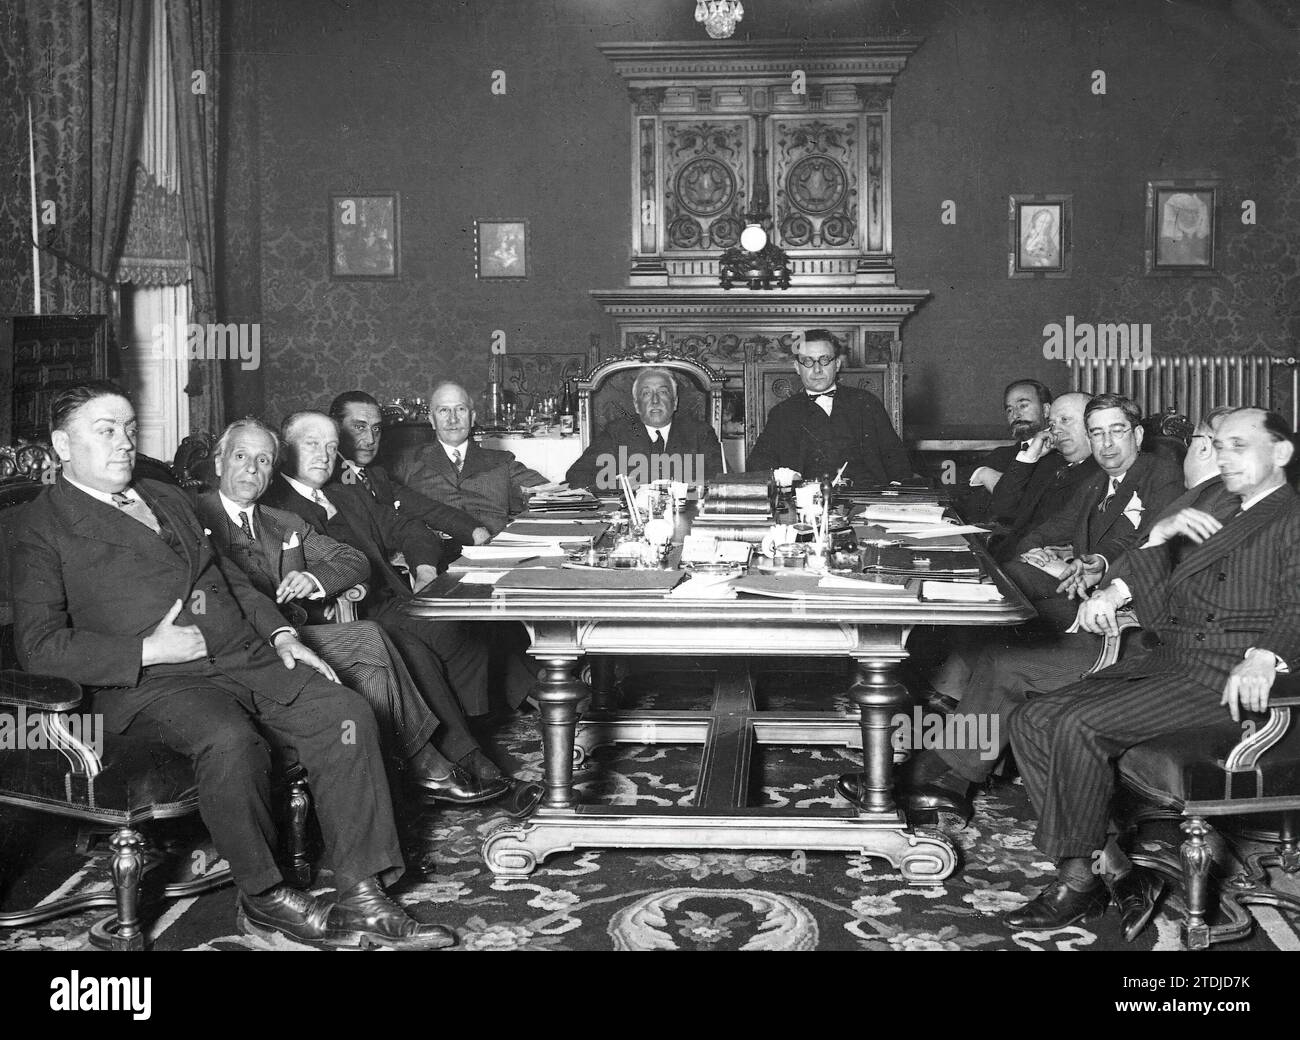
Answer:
(1181, 223)
(1039, 236)
(501, 249)
(364, 230)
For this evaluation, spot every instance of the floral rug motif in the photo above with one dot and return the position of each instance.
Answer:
(651, 899)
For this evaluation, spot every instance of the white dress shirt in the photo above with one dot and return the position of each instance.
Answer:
(662, 430)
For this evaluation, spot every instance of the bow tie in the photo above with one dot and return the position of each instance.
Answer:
(824, 393)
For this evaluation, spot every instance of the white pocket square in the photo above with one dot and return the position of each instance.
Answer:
(292, 543)
(1134, 510)
(207, 532)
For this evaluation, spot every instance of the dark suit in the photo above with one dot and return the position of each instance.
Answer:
(359, 650)
(438, 653)
(1030, 494)
(408, 501)
(91, 582)
(488, 486)
(1238, 589)
(692, 453)
(800, 435)
(1089, 529)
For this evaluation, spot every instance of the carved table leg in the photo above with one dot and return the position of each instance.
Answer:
(558, 696)
(602, 683)
(879, 697)
(126, 870)
(1196, 857)
(299, 807)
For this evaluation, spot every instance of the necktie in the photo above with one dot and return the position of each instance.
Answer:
(361, 476)
(325, 504)
(1110, 494)
(456, 460)
(658, 442)
(136, 510)
(243, 522)
(824, 393)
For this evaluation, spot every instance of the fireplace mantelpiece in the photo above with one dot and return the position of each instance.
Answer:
(823, 107)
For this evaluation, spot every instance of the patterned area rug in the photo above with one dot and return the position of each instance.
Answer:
(629, 900)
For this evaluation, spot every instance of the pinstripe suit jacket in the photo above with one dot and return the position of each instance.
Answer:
(265, 560)
(1207, 604)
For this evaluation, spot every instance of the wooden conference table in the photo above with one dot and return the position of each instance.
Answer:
(873, 636)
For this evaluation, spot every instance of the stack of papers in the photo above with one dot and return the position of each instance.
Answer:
(585, 582)
(706, 586)
(913, 512)
(960, 592)
(822, 588)
(548, 500)
(549, 537)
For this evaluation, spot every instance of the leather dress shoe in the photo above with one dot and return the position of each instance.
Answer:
(477, 764)
(926, 799)
(1059, 905)
(459, 788)
(1136, 894)
(522, 799)
(365, 916)
(288, 911)
(935, 798)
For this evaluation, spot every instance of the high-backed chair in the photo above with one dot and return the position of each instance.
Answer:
(1247, 772)
(110, 783)
(605, 393)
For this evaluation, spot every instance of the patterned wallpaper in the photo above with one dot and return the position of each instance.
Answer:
(327, 97)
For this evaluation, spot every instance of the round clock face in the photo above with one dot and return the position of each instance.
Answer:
(753, 239)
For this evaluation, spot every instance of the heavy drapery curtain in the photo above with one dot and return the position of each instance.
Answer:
(86, 62)
(193, 31)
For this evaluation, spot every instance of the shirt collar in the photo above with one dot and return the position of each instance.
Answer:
(463, 448)
(650, 432)
(103, 496)
(233, 509)
(306, 490)
(1246, 503)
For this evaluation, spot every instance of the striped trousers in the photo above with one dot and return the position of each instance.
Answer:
(366, 661)
(1066, 744)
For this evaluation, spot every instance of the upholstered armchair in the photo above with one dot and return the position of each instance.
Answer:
(1246, 774)
(605, 393)
(65, 765)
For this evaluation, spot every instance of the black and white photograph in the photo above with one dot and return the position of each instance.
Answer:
(628, 475)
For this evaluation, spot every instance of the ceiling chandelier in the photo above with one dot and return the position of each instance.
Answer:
(719, 17)
(757, 261)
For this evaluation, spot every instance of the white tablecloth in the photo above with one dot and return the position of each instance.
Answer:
(551, 455)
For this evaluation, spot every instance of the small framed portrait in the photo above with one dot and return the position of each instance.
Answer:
(364, 231)
(1181, 223)
(1039, 236)
(501, 249)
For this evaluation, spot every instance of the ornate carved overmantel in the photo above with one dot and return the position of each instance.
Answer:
(825, 110)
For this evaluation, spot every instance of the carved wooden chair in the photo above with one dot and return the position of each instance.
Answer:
(605, 393)
(1247, 773)
(118, 785)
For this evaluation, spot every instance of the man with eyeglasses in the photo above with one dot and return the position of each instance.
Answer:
(817, 431)
(657, 442)
(1069, 553)
(997, 677)
(1219, 594)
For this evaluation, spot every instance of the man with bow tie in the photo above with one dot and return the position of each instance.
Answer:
(300, 569)
(819, 430)
(657, 443)
(117, 587)
(1220, 599)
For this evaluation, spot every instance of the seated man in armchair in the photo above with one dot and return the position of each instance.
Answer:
(117, 587)
(657, 444)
